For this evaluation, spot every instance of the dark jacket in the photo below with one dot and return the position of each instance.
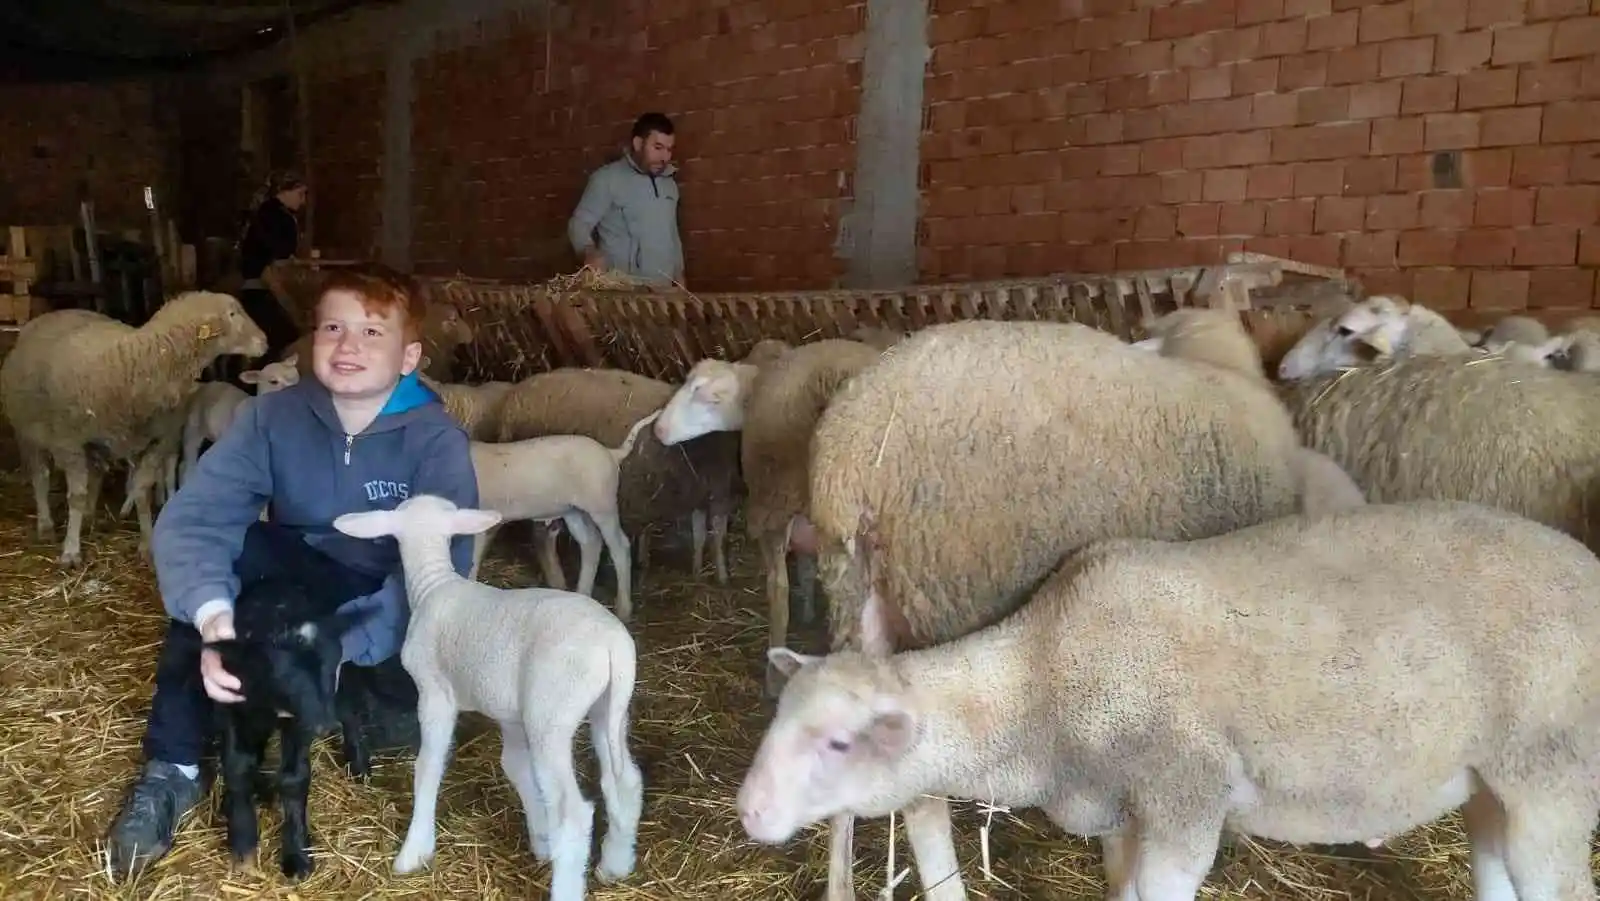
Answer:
(273, 234)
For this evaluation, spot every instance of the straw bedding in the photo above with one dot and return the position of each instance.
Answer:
(78, 652)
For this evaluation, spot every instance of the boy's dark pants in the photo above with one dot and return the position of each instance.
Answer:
(180, 723)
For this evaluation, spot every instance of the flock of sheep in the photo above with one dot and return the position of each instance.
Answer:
(1139, 586)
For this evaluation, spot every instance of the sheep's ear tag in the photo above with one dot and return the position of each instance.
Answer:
(206, 332)
(307, 632)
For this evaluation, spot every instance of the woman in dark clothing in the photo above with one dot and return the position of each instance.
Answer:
(272, 233)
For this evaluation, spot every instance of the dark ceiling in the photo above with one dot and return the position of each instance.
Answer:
(57, 39)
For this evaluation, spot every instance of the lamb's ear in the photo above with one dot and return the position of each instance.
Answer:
(472, 522)
(250, 376)
(788, 662)
(291, 360)
(891, 730)
(370, 524)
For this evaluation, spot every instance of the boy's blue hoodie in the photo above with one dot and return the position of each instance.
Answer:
(288, 448)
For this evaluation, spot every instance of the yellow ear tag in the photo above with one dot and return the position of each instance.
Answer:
(206, 332)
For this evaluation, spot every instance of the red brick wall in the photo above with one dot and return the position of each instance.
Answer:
(104, 137)
(1091, 134)
(347, 122)
(501, 148)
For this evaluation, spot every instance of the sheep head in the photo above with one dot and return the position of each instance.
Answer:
(711, 399)
(421, 516)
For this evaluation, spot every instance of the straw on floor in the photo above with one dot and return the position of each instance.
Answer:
(76, 657)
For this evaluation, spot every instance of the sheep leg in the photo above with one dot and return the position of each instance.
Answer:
(1547, 842)
(549, 560)
(75, 463)
(841, 858)
(294, 786)
(697, 531)
(589, 544)
(480, 548)
(97, 478)
(610, 526)
(436, 716)
(192, 439)
(169, 481)
(148, 478)
(1117, 851)
(1174, 858)
(1485, 821)
(621, 783)
(37, 464)
(570, 815)
(719, 546)
(518, 767)
(775, 558)
(243, 745)
(933, 847)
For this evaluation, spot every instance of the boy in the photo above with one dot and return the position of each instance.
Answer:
(364, 434)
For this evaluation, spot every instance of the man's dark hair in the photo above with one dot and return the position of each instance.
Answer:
(649, 122)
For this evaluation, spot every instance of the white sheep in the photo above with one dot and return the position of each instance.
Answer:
(76, 378)
(1380, 327)
(475, 407)
(1308, 680)
(1523, 330)
(573, 478)
(535, 660)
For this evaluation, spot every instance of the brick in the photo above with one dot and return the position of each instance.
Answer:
(1504, 207)
(1323, 105)
(1441, 17)
(1451, 131)
(1275, 246)
(1483, 13)
(1498, 289)
(1290, 217)
(1556, 9)
(1370, 176)
(1485, 247)
(1397, 136)
(1550, 82)
(1441, 289)
(1211, 84)
(1270, 182)
(1487, 168)
(1284, 38)
(1354, 64)
(1463, 52)
(1307, 71)
(1224, 184)
(1254, 12)
(1321, 142)
(1414, 172)
(1585, 165)
(1371, 249)
(1510, 127)
(1340, 214)
(1386, 281)
(1446, 209)
(1305, 9)
(1332, 32)
(1156, 222)
(1431, 94)
(1272, 110)
(1541, 165)
(1375, 100)
(1318, 250)
(1568, 205)
(1576, 37)
(1319, 179)
(1255, 77)
(1248, 218)
(1385, 22)
(1181, 187)
(1198, 219)
(1577, 120)
(1546, 245)
(1391, 212)
(1555, 288)
(1426, 248)
(1487, 88)
(1589, 247)
(1522, 44)
(1412, 56)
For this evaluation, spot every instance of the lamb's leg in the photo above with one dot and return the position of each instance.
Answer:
(518, 766)
(775, 559)
(1547, 841)
(36, 462)
(1485, 820)
(91, 507)
(1175, 855)
(719, 546)
(569, 814)
(589, 544)
(841, 858)
(294, 786)
(241, 753)
(192, 439)
(621, 783)
(141, 502)
(75, 463)
(610, 526)
(436, 717)
(480, 548)
(805, 586)
(549, 560)
(933, 847)
(1117, 852)
(697, 529)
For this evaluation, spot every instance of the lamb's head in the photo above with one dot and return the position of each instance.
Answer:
(766, 352)
(218, 320)
(843, 726)
(1548, 354)
(285, 656)
(424, 517)
(1363, 334)
(272, 377)
(1204, 335)
(711, 399)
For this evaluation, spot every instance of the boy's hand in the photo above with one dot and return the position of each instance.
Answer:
(221, 685)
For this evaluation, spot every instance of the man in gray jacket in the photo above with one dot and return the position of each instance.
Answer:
(632, 202)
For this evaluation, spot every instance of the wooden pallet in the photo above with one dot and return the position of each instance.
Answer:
(16, 268)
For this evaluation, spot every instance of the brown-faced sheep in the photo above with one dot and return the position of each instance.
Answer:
(775, 415)
(659, 484)
(949, 478)
(77, 380)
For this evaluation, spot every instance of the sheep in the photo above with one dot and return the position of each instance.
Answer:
(571, 477)
(765, 351)
(475, 407)
(658, 484)
(775, 413)
(949, 477)
(1515, 329)
(1308, 680)
(443, 331)
(537, 661)
(1489, 431)
(878, 337)
(76, 379)
(286, 656)
(1580, 324)
(1382, 326)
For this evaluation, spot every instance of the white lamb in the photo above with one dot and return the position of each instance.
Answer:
(573, 478)
(537, 661)
(1380, 327)
(1310, 679)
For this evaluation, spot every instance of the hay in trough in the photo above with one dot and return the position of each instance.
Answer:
(79, 651)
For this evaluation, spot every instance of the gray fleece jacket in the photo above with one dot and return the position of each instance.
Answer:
(636, 215)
